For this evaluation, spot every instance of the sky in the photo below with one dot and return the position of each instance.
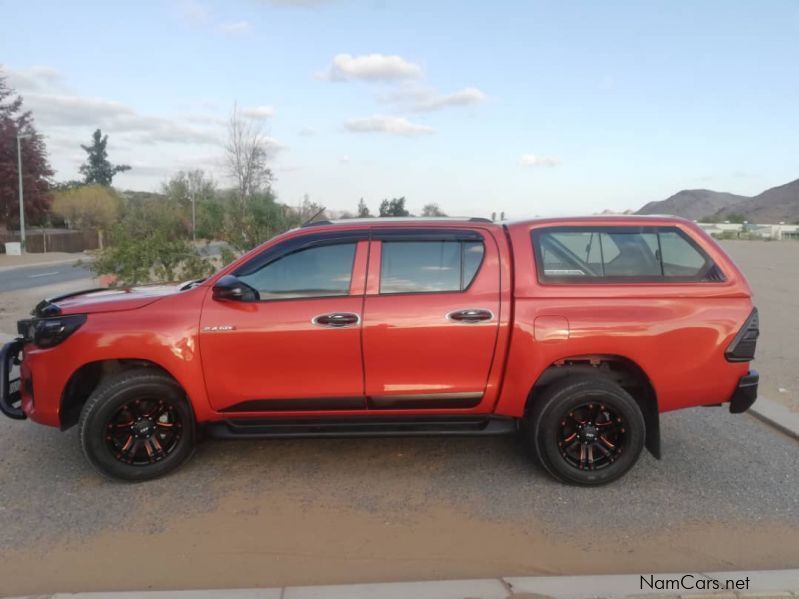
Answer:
(528, 108)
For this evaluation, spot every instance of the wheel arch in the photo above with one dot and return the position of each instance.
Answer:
(623, 371)
(85, 379)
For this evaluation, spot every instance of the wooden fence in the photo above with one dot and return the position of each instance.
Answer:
(54, 240)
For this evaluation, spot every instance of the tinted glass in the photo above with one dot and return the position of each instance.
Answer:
(428, 266)
(630, 255)
(643, 255)
(571, 254)
(472, 259)
(680, 258)
(316, 271)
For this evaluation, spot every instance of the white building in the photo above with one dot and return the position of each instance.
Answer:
(779, 231)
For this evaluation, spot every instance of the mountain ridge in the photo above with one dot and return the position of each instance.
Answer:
(774, 205)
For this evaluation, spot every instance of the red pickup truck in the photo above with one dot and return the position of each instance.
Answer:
(575, 332)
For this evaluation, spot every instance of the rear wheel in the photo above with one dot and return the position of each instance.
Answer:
(137, 425)
(586, 430)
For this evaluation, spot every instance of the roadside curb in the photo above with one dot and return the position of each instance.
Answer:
(84, 258)
(782, 584)
(776, 415)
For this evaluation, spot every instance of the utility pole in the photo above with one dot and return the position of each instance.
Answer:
(193, 220)
(21, 136)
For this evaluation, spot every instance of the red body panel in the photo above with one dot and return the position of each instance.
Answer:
(226, 353)
(676, 333)
(411, 347)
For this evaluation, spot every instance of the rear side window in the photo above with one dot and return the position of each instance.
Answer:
(312, 272)
(429, 266)
(620, 254)
(680, 258)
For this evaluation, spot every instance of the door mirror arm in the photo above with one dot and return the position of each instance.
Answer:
(230, 288)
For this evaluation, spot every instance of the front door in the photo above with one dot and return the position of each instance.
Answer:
(431, 318)
(299, 347)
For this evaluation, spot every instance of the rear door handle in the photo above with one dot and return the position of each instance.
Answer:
(336, 319)
(470, 315)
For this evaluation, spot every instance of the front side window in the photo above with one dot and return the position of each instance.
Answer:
(312, 272)
(623, 254)
(429, 266)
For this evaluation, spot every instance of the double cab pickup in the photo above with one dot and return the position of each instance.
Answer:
(576, 333)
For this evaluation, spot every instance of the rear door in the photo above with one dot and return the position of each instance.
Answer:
(430, 319)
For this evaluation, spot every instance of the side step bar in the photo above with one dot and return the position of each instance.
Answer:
(366, 426)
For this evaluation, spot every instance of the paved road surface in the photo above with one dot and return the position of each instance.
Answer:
(271, 513)
(37, 276)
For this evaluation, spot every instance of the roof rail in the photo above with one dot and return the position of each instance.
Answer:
(384, 219)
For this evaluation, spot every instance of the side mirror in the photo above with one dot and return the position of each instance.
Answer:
(229, 288)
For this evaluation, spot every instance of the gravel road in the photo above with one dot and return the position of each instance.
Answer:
(267, 513)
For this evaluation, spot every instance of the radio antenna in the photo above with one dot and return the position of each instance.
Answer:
(310, 220)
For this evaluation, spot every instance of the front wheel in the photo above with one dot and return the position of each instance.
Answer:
(137, 425)
(586, 430)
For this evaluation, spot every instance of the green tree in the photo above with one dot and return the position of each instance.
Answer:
(432, 210)
(97, 169)
(150, 244)
(394, 207)
(256, 218)
(187, 187)
(87, 206)
(363, 210)
(36, 171)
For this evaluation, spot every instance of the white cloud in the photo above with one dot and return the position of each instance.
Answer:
(83, 113)
(33, 79)
(463, 97)
(273, 147)
(423, 99)
(257, 112)
(156, 145)
(386, 124)
(536, 160)
(236, 28)
(371, 67)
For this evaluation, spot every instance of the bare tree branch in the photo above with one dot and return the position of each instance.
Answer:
(246, 156)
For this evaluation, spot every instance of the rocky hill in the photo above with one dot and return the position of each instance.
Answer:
(693, 204)
(775, 205)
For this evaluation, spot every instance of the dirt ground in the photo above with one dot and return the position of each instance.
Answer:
(325, 511)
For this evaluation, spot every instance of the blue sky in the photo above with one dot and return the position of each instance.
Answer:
(532, 108)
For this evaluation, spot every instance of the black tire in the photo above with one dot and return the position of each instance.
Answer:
(556, 416)
(162, 439)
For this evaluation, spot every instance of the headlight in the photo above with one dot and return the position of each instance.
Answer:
(48, 332)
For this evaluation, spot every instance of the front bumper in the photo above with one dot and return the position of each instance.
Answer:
(10, 388)
(745, 393)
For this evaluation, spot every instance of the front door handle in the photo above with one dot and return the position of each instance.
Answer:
(336, 319)
(470, 315)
